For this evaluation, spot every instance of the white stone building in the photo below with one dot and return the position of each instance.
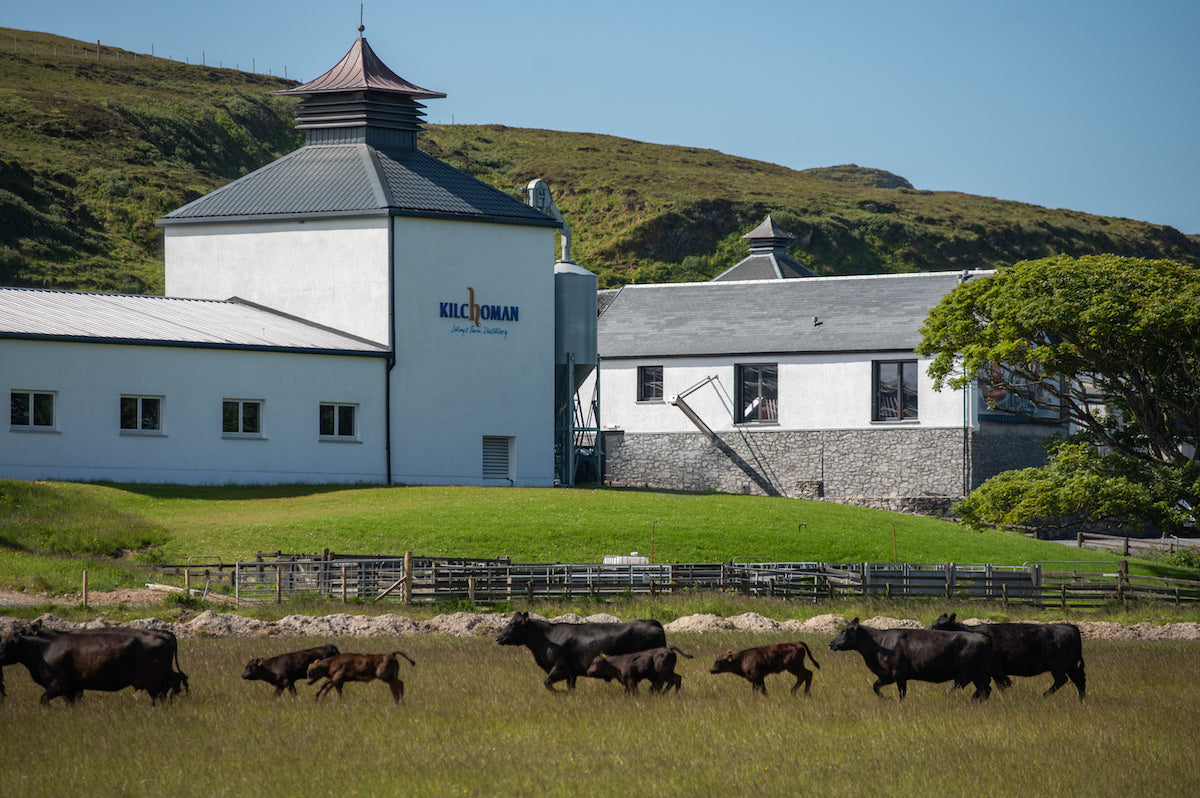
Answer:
(393, 323)
(767, 380)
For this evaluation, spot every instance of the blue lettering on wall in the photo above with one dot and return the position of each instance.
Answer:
(477, 313)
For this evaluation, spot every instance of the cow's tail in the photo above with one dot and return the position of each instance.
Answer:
(679, 652)
(810, 656)
(402, 654)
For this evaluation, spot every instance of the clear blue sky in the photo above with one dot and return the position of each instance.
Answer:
(1091, 105)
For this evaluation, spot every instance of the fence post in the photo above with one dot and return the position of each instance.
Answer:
(278, 584)
(1122, 576)
(1079, 540)
(1125, 547)
(408, 577)
(471, 590)
(343, 584)
(85, 588)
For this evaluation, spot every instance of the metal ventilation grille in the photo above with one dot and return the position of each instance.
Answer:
(497, 456)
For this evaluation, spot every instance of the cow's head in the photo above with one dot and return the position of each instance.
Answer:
(602, 668)
(318, 669)
(847, 638)
(947, 623)
(726, 663)
(254, 668)
(514, 633)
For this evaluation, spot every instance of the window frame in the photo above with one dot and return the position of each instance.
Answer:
(241, 432)
(766, 409)
(337, 436)
(140, 399)
(31, 410)
(646, 380)
(898, 394)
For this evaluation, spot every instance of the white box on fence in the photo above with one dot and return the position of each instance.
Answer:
(633, 558)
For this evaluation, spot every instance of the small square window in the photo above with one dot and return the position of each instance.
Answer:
(338, 421)
(32, 410)
(241, 418)
(894, 390)
(141, 414)
(650, 383)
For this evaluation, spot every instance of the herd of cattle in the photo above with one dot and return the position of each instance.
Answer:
(68, 663)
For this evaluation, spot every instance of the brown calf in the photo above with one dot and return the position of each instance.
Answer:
(655, 664)
(342, 668)
(754, 664)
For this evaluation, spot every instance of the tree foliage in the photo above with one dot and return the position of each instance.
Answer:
(1114, 342)
(1081, 486)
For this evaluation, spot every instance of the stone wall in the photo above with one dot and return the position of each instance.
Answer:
(838, 464)
(904, 469)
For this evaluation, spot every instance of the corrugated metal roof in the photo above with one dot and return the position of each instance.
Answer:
(354, 179)
(813, 315)
(29, 313)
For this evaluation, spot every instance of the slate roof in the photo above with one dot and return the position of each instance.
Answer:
(357, 179)
(37, 314)
(814, 315)
(766, 266)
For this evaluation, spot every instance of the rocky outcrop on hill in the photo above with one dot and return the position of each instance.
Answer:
(468, 624)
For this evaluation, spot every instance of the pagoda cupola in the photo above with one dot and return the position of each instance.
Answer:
(361, 101)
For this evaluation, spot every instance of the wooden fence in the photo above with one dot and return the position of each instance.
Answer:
(415, 579)
(1136, 546)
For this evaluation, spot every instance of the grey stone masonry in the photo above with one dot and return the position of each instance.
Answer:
(910, 469)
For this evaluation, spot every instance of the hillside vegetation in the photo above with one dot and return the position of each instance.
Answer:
(49, 531)
(93, 149)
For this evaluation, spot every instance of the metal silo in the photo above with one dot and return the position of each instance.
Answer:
(576, 428)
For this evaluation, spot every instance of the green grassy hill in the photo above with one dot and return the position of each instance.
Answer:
(93, 149)
(50, 531)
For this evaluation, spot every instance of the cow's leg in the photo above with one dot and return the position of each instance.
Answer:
(758, 685)
(982, 689)
(397, 690)
(1060, 679)
(803, 675)
(901, 688)
(631, 686)
(329, 683)
(880, 682)
(673, 679)
(1079, 677)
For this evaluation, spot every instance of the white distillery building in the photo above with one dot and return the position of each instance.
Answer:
(356, 311)
(770, 380)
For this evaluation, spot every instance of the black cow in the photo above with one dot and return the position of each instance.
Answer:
(1027, 649)
(176, 679)
(898, 655)
(565, 650)
(284, 670)
(68, 663)
(754, 664)
(657, 665)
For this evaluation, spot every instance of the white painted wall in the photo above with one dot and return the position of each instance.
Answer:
(816, 392)
(330, 271)
(89, 380)
(455, 383)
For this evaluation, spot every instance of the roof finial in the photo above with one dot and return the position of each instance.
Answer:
(361, 27)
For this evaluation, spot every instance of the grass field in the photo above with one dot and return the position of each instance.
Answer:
(476, 721)
(49, 532)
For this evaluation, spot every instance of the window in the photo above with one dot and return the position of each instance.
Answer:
(757, 392)
(894, 390)
(32, 410)
(497, 455)
(650, 383)
(241, 418)
(141, 414)
(337, 421)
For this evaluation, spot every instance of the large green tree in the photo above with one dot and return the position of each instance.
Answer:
(1113, 342)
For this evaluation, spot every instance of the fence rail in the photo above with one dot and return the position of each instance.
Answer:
(1134, 546)
(417, 579)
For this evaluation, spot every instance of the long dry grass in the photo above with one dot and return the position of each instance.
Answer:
(476, 721)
